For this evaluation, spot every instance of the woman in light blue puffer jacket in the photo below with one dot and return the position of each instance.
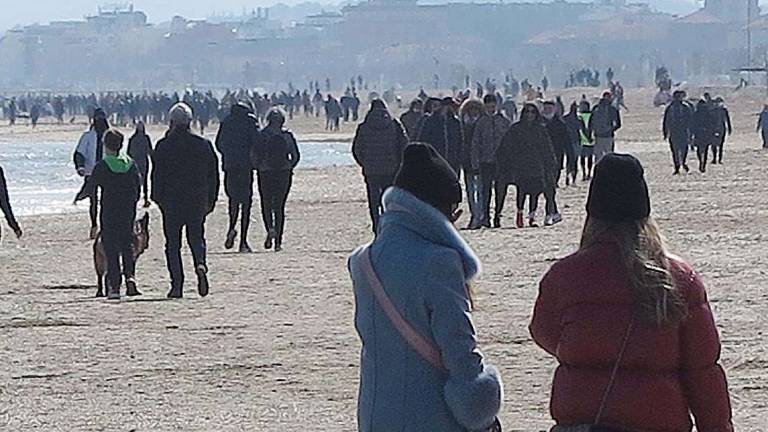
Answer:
(424, 266)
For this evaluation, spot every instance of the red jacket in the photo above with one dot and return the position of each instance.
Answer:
(581, 317)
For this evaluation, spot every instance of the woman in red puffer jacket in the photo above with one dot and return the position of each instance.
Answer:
(623, 297)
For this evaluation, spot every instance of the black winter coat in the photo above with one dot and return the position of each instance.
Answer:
(379, 143)
(237, 136)
(526, 156)
(185, 173)
(445, 135)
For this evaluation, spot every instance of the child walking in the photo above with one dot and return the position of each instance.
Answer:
(120, 182)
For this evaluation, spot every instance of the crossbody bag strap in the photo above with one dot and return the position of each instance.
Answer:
(427, 350)
(614, 372)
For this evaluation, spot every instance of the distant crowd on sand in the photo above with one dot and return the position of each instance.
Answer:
(628, 322)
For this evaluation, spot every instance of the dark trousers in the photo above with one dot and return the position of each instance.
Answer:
(117, 238)
(702, 151)
(765, 138)
(173, 223)
(560, 156)
(239, 190)
(717, 147)
(274, 187)
(550, 195)
(145, 182)
(679, 148)
(376, 185)
(533, 200)
(487, 184)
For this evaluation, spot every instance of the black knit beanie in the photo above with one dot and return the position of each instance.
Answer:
(429, 177)
(618, 192)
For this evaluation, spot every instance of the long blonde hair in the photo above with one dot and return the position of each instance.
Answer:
(643, 254)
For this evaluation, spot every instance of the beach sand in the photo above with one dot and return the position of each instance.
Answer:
(274, 347)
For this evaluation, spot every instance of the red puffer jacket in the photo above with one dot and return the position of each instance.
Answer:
(582, 316)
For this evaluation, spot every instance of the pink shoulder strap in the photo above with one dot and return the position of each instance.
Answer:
(415, 340)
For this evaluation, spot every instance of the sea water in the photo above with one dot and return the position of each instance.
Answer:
(42, 179)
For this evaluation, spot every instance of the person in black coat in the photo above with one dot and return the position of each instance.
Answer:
(723, 128)
(558, 137)
(238, 135)
(704, 127)
(5, 206)
(574, 125)
(677, 128)
(140, 150)
(185, 185)
(443, 130)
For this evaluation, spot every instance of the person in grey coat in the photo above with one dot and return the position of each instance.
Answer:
(489, 131)
(424, 267)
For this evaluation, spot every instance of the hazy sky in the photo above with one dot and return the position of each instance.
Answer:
(15, 12)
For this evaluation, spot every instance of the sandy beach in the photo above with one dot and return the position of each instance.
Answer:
(274, 347)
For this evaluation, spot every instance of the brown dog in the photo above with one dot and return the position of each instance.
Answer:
(140, 244)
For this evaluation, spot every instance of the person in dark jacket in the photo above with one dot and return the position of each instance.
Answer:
(471, 112)
(703, 125)
(185, 185)
(378, 149)
(526, 159)
(275, 159)
(89, 151)
(410, 119)
(442, 129)
(628, 322)
(140, 150)
(5, 206)
(723, 128)
(237, 136)
(677, 128)
(558, 136)
(119, 180)
(573, 123)
(489, 131)
(604, 122)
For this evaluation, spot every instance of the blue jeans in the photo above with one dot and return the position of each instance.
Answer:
(173, 223)
(472, 186)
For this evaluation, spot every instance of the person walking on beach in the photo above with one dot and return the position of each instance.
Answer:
(89, 151)
(625, 318)
(604, 122)
(413, 280)
(410, 119)
(141, 151)
(723, 129)
(119, 180)
(573, 123)
(587, 138)
(762, 125)
(5, 206)
(703, 126)
(185, 185)
(558, 136)
(235, 141)
(489, 132)
(526, 159)
(442, 129)
(677, 128)
(275, 159)
(378, 149)
(471, 111)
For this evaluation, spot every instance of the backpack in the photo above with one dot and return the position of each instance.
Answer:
(275, 151)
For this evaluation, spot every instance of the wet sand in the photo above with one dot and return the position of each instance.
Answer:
(274, 347)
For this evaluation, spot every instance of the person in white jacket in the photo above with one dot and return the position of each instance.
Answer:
(89, 151)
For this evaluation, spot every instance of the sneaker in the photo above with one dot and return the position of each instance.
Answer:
(202, 280)
(94, 232)
(520, 222)
(532, 220)
(548, 220)
(113, 293)
(245, 249)
(557, 218)
(230, 243)
(685, 167)
(278, 246)
(175, 293)
(677, 171)
(130, 288)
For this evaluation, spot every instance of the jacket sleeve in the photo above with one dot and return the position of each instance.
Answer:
(545, 325)
(617, 119)
(728, 121)
(473, 391)
(220, 138)
(665, 123)
(158, 175)
(136, 176)
(477, 141)
(402, 139)
(294, 150)
(5, 203)
(703, 379)
(80, 151)
(358, 148)
(213, 177)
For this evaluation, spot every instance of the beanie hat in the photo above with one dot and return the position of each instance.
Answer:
(428, 176)
(618, 192)
(378, 104)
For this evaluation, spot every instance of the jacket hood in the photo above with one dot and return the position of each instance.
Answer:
(469, 105)
(403, 209)
(378, 118)
(119, 164)
(239, 110)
